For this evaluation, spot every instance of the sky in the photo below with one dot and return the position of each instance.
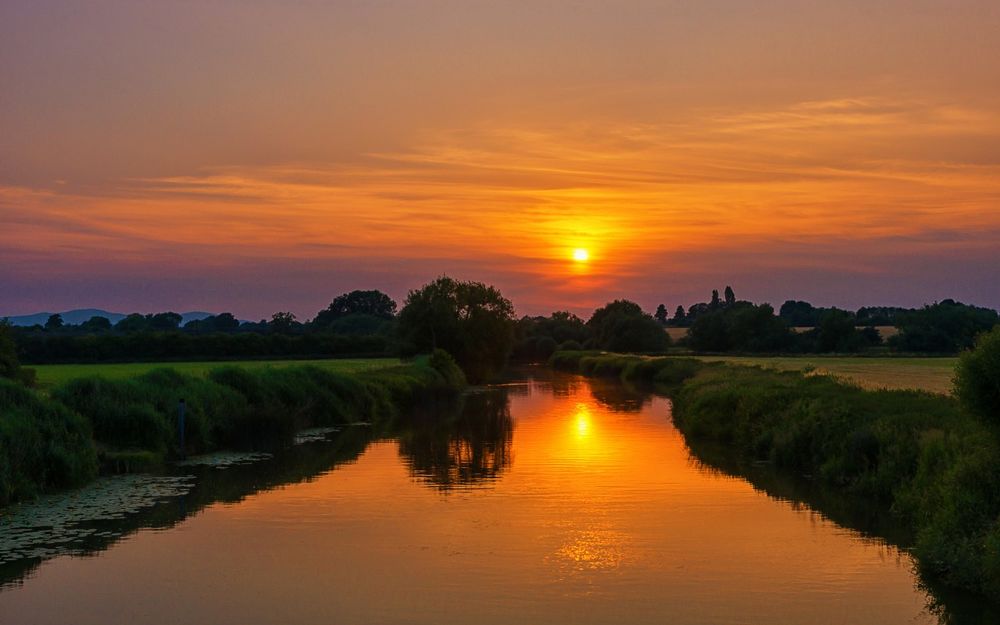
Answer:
(261, 155)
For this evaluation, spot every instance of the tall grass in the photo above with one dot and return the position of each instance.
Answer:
(918, 455)
(48, 443)
(43, 445)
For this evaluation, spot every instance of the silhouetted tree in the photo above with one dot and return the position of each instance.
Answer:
(54, 322)
(945, 327)
(744, 327)
(282, 322)
(164, 321)
(373, 303)
(132, 323)
(730, 296)
(798, 314)
(536, 338)
(715, 303)
(96, 324)
(470, 320)
(679, 318)
(622, 326)
(661, 314)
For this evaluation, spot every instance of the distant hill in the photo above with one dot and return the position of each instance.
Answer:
(78, 316)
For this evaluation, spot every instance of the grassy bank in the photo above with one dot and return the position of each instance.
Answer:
(58, 440)
(915, 454)
(49, 376)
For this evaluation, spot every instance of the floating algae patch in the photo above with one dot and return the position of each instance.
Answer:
(225, 459)
(313, 435)
(72, 522)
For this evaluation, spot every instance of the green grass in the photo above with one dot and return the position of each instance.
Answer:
(50, 376)
(925, 374)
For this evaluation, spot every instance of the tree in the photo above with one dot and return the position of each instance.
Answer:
(54, 322)
(164, 321)
(282, 322)
(661, 314)
(744, 327)
(373, 303)
(715, 304)
(679, 317)
(622, 326)
(798, 314)
(836, 333)
(225, 322)
(470, 320)
(96, 324)
(945, 327)
(132, 323)
(730, 296)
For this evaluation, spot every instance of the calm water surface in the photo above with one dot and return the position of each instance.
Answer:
(543, 501)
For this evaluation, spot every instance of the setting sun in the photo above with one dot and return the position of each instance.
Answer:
(581, 255)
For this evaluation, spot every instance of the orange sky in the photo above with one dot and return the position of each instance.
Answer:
(262, 156)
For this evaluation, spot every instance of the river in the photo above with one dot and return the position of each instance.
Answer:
(549, 499)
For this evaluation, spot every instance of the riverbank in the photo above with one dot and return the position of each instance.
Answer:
(917, 455)
(62, 439)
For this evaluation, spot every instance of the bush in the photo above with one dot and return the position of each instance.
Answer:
(977, 379)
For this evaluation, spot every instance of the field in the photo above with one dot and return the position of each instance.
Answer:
(886, 332)
(928, 374)
(51, 375)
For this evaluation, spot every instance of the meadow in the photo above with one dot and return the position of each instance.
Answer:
(924, 374)
(50, 376)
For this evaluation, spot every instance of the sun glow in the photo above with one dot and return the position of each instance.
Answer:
(581, 255)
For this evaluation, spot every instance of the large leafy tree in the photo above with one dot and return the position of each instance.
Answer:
(470, 320)
(622, 326)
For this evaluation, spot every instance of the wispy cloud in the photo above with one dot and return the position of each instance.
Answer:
(828, 184)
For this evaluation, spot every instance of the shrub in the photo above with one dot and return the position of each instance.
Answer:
(977, 379)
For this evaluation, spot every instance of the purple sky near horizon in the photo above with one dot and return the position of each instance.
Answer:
(269, 155)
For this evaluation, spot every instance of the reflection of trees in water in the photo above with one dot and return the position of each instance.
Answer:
(470, 445)
(951, 607)
(564, 384)
(619, 397)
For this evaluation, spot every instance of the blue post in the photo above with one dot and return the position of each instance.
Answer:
(180, 425)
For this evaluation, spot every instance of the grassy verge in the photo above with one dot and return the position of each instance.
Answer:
(914, 454)
(49, 376)
(50, 441)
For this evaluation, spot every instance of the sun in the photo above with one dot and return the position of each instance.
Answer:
(581, 255)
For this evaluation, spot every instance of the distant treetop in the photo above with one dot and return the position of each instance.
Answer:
(373, 303)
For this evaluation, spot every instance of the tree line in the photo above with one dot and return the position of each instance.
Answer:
(477, 325)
